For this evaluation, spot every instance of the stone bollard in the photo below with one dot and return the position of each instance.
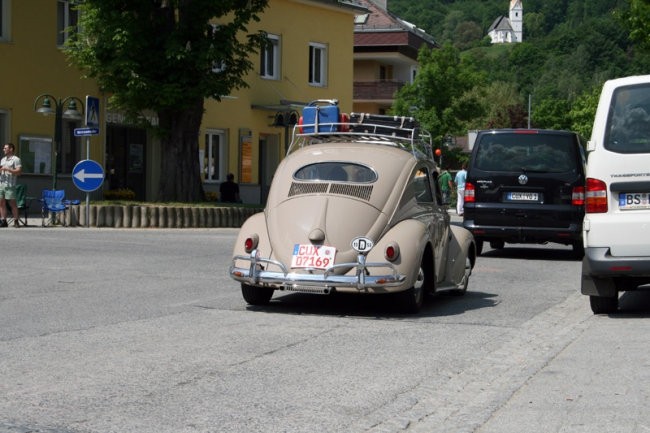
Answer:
(135, 217)
(127, 213)
(118, 216)
(162, 219)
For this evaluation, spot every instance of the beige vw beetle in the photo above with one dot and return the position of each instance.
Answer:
(355, 208)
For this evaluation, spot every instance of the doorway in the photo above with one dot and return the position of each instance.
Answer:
(125, 159)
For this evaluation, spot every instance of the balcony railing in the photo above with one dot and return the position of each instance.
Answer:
(376, 90)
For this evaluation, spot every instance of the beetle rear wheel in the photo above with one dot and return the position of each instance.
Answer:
(256, 295)
(413, 298)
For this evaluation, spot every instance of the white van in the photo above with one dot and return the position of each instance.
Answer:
(616, 229)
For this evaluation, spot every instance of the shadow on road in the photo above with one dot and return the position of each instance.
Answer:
(384, 306)
(531, 253)
(634, 304)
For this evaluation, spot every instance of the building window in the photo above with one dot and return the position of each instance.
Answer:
(317, 64)
(35, 154)
(5, 21)
(66, 20)
(212, 156)
(270, 58)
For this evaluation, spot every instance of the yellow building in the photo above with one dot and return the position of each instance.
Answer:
(246, 133)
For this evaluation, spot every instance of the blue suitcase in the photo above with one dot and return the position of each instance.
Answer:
(321, 115)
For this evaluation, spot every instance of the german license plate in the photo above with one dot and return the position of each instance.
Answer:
(633, 200)
(312, 256)
(522, 196)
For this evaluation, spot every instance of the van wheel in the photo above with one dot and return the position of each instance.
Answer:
(603, 304)
(256, 295)
(578, 250)
(497, 245)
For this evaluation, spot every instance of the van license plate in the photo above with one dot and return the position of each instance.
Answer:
(312, 256)
(633, 200)
(522, 196)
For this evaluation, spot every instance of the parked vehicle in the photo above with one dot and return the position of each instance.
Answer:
(354, 207)
(525, 186)
(617, 220)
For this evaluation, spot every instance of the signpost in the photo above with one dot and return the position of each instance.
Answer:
(88, 175)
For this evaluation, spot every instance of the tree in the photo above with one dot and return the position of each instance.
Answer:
(441, 79)
(168, 56)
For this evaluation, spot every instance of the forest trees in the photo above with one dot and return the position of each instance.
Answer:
(570, 48)
(168, 56)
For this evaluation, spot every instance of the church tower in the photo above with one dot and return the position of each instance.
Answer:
(517, 19)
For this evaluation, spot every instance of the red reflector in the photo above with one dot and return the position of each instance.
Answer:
(596, 196)
(390, 253)
(526, 131)
(249, 244)
(470, 193)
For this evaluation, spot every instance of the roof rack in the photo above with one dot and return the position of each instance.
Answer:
(412, 139)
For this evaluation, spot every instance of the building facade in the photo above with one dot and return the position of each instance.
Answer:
(385, 56)
(246, 133)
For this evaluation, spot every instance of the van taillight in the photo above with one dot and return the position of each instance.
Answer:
(578, 196)
(596, 196)
(469, 193)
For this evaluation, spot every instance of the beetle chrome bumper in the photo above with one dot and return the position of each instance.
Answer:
(258, 273)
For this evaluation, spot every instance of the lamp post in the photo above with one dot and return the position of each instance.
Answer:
(71, 113)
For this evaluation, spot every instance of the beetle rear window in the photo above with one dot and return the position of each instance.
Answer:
(628, 124)
(546, 153)
(336, 172)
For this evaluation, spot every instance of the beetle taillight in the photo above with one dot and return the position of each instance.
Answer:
(391, 252)
(470, 192)
(250, 243)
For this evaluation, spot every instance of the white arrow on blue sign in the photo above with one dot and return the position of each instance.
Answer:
(87, 175)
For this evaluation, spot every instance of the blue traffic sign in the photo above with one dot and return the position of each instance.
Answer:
(79, 132)
(92, 111)
(88, 175)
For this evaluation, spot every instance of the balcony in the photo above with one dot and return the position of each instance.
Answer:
(376, 90)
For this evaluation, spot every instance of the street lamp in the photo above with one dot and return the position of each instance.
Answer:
(71, 112)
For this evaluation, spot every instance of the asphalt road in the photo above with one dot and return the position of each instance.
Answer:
(110, 330)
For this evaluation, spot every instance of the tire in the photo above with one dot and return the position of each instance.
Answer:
(497, 245)
(578, 250)
(412, 299)
(256, 295)
(603, 304)
(479, 246)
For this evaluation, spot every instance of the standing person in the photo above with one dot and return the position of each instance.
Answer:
(229, 190)
(10, 169)
(446, 184)
(461, 176)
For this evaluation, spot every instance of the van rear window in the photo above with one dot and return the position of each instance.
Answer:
(628, 124)
(551, 153)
